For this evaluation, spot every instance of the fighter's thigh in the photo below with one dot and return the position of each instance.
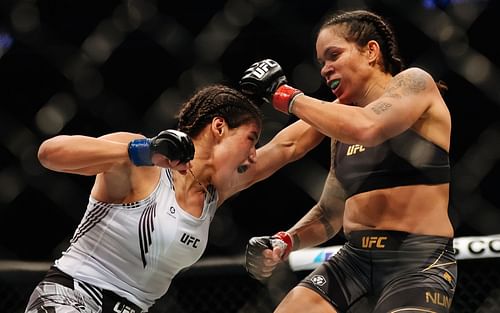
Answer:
(426, 294)
(301, 299)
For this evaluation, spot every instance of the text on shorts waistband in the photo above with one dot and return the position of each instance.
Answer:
(388, 239)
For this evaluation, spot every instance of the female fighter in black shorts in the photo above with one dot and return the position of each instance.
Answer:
(388, 186)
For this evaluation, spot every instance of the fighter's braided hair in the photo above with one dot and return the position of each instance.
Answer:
(217, 100)
(362, 26)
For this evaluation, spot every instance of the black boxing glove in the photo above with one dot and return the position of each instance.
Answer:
(266, 81)
(254, 259)
(173, 144)
(262, 79)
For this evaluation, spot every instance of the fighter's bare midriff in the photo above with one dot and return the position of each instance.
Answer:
(420, 209)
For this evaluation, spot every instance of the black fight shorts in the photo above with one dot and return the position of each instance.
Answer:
(388, 271)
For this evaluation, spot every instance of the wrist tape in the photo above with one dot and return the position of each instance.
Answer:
(287, 239)
(284, 97)
(139, 152)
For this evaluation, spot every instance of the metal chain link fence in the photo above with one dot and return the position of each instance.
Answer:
(228, 289)
(94, 67)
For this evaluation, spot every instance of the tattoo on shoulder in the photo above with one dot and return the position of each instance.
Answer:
(405, 84)
(380, 107)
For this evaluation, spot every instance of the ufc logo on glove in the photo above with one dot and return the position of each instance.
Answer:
(261, 68)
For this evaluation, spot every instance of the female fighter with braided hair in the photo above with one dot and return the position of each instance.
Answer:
(388, 185)
(151, 205)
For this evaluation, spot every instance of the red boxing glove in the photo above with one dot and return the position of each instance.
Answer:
(283, 237)
(284, 96)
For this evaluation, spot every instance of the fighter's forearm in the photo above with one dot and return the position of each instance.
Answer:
(316, 227)
(70, 153)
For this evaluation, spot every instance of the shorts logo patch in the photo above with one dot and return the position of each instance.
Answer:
(438, 298)
(448, 277)
(318, 280)
(373, 241)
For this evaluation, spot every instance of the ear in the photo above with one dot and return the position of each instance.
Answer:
(373, 50)
(218, 125)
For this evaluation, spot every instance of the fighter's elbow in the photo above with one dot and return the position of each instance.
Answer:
(366, 134)
(47, 152)
(43, 154)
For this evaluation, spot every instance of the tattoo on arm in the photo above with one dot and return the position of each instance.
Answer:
(312, 220)
(380, 107)
(325, 220)
(325, 215)
(296, 241)
(405, 84)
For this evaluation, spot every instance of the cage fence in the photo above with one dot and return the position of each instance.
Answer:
(222, 285)
(114, 65)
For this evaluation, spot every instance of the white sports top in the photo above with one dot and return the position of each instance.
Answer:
(136, 249)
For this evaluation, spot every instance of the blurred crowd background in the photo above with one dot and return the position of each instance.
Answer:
(93, 67)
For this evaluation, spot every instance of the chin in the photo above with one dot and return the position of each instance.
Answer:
(339, 96)
(345, 100)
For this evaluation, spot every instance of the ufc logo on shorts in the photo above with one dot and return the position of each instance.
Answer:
(373, 241)
(355, 149)
(123, 308)
(263, 67)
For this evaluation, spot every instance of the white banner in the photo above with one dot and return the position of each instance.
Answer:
(465, 248)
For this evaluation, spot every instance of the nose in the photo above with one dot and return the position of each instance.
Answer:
(326, 70)
(252, 157)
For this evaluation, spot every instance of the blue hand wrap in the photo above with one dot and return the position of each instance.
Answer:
(139, 152)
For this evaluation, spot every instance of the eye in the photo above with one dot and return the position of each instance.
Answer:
(333, 55)
(253, 137)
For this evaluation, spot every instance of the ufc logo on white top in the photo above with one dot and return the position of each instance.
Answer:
(263, 67)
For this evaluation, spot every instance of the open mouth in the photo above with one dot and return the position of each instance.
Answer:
(242, 169)
(334, 84)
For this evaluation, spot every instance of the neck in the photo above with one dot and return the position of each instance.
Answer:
(200, 173)
(375, 89)
(189, 182)
(198, 181)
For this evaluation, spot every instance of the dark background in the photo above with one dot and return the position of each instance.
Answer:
(93, 67)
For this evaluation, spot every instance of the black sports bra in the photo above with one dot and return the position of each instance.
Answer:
(407, 159)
